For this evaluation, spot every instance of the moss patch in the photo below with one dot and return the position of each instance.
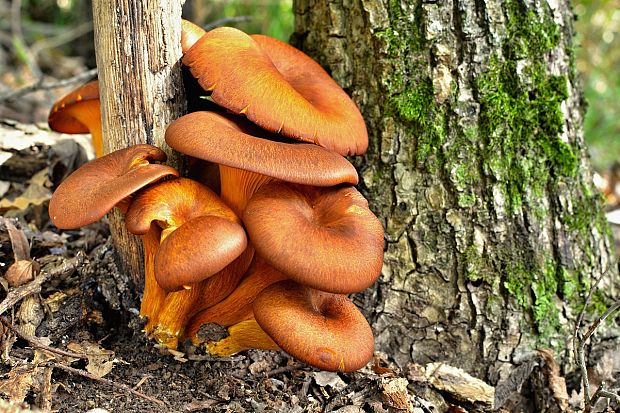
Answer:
(520, 121)
(516, 148)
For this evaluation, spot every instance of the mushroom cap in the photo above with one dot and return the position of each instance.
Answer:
(201, 235)
(96, 187)
(173, 203)
(190, 33)
(322, 329)
(65, 114)
(236, 143)
(325, 238)
(196, 250)
(277, 87)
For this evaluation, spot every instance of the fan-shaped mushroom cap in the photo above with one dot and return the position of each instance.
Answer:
(228, 141)
(96, 187)
(322, 329)
(200, 237)
(277, 87)
(325, 238)
(79, 112)
(201, 247)
(173, 203)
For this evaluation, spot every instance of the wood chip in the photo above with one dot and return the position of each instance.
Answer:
(460, 384)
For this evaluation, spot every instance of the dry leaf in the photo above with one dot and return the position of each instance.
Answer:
(329, 379)
(19, 242)
(54, 301)
(18, 383)
(100, 360)
(30, 315)
(33, 195)
(557, 384)
(13, 407)
(395, 393)
(21, 272)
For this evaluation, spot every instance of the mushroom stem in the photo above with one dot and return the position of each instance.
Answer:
(238, 186)
(237, 306)
(180, 306)
(242, 336)
(153, 296)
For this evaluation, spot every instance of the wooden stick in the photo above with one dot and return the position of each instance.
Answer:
(36, 342)
(34, 286)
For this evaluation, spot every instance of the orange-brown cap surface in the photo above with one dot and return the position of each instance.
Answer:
(62, 117)
(277, 87)
(96, 187)
(79, 112)
(234, 142)
(200, 236)
(200, 248)
(322, 329)
(325, 238)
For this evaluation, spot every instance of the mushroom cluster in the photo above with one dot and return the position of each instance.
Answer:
(270, 251)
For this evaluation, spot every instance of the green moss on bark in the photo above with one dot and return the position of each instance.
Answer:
(518, 147)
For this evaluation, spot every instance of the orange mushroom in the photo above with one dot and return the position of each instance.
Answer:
(79, 112)
(200, 234)
(200, 237)
(275, 86)
(325, 238)
(248, 157)
(321, 329)
(103, 183)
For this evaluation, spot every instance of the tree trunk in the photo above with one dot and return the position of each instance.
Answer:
(138, 50)
(478, 169)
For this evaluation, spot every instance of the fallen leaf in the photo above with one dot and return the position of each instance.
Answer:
(100, 360)
(557, 384)
(200, 405)
(30, 315)
(18, 383)
(329, 379)
(21, 272)
(19, 241)
(394, 392)
(54, 301)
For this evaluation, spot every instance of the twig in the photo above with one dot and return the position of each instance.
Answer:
(64, 37)
(36, 342)
(120, 386)
(579, 343)
(226, 20)
(19, 44)
(42, 85)
(602, 392)
(200, 357)
(34, 286)
(45, 395)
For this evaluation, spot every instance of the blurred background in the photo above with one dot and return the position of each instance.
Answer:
(52, 39)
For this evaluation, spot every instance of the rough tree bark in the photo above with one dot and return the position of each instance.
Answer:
(138, 51)
(477, 168)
